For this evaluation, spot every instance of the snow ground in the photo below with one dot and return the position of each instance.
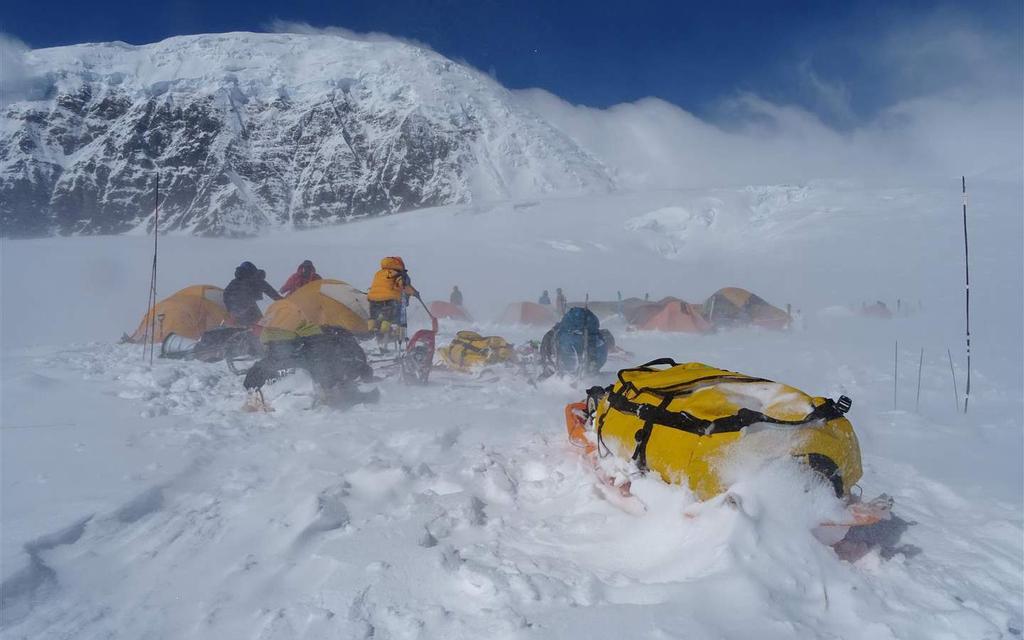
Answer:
(140, 501)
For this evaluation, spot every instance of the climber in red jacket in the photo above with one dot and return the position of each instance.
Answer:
(305, 274)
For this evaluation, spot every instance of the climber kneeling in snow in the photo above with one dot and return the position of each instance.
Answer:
(331, 355)
(576, 344)
(389, 296)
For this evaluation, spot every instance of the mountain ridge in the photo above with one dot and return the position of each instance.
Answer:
(258, 131)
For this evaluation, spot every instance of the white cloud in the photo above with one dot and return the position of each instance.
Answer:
(288, 26)
(15, 81)
(830, 97)
(955, 108)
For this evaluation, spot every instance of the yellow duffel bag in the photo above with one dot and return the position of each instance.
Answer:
(680, 421)
(469, 349)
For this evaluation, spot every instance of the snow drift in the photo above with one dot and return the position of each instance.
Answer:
(139, 501)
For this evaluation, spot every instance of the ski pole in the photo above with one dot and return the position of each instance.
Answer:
(895, 372)
(425, 308)
(433, 320)
(920, 364)
(952, 373)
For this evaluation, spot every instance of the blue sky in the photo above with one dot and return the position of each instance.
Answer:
(832, 58)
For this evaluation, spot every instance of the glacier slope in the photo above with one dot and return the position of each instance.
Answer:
(451, 511)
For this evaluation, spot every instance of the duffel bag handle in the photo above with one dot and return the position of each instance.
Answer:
(669, 361)
(645, 367)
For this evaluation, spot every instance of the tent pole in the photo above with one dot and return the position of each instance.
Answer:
(152, 276)
(895, 372)
(967, 294)
(952, 373)
(920, 364)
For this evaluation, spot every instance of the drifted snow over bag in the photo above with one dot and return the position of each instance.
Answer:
(331, 355)
(682, 420)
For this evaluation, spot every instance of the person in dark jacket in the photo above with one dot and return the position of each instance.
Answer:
(305, 274)
(544, 298)
(456, 296)
(242, 294)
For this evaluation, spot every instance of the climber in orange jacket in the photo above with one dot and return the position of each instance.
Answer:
(388, 296)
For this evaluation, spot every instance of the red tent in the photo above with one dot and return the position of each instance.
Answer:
(877, 310)
(529, 313)
(639, 313)
(675, 315)
(442, 309)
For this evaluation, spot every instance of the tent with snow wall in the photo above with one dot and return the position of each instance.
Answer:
(442, 309)
(672, 315)
(735, 307)
(189, 312)
(322, 302)
(528, 313)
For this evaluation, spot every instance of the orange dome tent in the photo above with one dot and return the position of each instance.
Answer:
(639, 314)
(441, 309)
(321, 302)
(732, 306)
(189, 312)
(528, 313)
(675, 315)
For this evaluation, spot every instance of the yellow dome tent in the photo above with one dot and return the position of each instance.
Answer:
(320, 303)
(189, 312)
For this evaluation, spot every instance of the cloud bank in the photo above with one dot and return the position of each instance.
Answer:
(953, 95)
(290, 26)
(954, 107)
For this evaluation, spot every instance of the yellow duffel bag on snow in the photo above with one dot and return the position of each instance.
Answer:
(469, 349)
(682, 420)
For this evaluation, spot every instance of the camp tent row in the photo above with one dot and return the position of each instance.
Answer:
(729, 307)
(197, 309)
(725, 308)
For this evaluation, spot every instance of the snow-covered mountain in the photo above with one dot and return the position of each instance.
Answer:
(250, 131)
